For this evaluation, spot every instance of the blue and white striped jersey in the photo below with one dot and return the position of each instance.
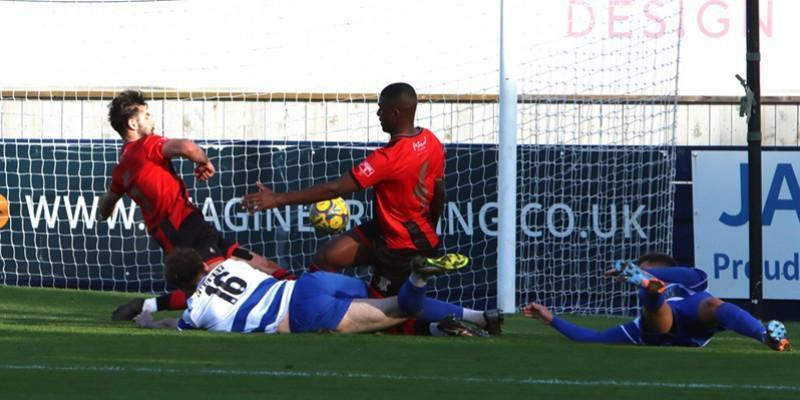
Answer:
(235, 297)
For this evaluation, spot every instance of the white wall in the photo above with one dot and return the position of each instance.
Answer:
(330, 121)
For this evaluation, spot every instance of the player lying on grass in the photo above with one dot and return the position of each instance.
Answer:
(146, 175)
(407, 177)
(233, 297)
(676, 310)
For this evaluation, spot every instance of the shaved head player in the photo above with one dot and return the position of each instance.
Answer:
(407, 177)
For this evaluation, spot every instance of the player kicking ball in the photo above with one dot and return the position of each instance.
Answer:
(146, 175)
(407, 176)
(676, 311)
(230, 296)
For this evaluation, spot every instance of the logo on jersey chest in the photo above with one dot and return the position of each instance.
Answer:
(420, 145)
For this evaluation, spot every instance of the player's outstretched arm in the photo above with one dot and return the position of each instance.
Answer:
(106, 206)
(268, 266)
(265, 198)
(574, 332)
(538, 312)
(190, 150)
(145, 320)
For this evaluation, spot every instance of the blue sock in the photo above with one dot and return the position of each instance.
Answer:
(651, 301)
(433, 310)
(692, 278)
(410, 298)
(740, 321)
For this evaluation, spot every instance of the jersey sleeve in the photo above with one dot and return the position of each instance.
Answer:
(439, 170)
(693, 279)
(185, 323)
(375, 168)
(117, 186)
(154, 148)
(623, 334)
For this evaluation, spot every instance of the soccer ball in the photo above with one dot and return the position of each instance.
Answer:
(329, 216)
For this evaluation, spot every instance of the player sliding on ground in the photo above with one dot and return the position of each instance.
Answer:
(407, 176)
(146, 175)
(676, 311)
(233, 297)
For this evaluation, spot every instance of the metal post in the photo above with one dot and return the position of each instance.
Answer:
(507, 175)
(754, 158)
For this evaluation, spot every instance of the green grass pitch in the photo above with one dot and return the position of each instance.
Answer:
(60, 344)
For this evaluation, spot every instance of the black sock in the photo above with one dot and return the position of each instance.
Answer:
(162, 302)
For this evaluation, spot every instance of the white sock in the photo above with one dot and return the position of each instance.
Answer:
(434, 329)
(417, 280)
(474, 316)
(150, 305)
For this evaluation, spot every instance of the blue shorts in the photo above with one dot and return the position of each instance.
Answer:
(687, 330)
(320, 300)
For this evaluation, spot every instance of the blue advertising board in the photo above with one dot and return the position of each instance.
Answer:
(578, 205)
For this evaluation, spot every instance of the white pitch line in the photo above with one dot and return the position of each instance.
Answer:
(340, 375)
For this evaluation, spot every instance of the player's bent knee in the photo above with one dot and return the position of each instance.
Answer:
(321, 262)
(320, 258)
(335, 254)
(707, 311)
(715, 303)
(712, 304)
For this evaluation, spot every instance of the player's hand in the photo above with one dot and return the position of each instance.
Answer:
(144, 320)
(614, 274)
(204, 171)
(538, 311)
(263, 200)
(611, 273)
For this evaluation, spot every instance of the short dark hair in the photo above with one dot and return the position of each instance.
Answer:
(396, 90)
(181, 267)
(124, 107)
(657, 258)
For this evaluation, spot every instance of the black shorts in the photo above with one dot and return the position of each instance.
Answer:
(196, 233)
(391, 266)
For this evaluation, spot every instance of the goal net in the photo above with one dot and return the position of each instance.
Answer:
(285, 94)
